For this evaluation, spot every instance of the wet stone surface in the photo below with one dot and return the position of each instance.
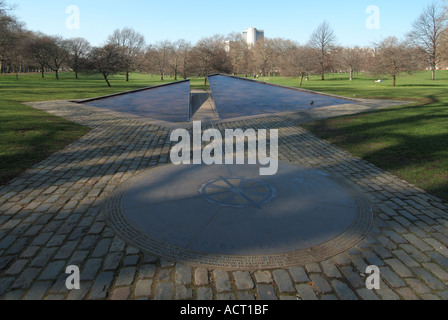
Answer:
(236, 97)
(168, 103)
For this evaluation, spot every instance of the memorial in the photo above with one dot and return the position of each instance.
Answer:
(223, 214)
(231, 98)
(231, 217)
(240, 97)
(168, 102)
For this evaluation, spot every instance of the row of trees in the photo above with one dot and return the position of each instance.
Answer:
(125, 51)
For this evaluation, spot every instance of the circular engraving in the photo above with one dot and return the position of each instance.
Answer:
(238, 192)
(239, 221)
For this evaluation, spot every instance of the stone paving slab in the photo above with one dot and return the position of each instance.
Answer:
(50, 218)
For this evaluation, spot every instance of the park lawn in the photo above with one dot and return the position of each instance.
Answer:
(27, 135)
(410, 141)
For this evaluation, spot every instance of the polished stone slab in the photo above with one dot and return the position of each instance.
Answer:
(237, 97)
(169, 102)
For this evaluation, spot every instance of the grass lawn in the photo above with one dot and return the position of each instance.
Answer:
(409, 141)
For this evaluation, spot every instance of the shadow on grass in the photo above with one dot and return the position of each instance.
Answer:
(423, 85)
(408, 141)
(32, 139)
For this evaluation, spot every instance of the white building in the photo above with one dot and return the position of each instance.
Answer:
(252, 35)
(227, 46)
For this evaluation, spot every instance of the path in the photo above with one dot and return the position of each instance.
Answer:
(49, 219)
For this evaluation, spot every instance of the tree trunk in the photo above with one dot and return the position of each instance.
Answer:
(395, 81)
(57, 74)
(351, 74)
(43, 73)
(107, 80)
(176, 67)
(127, 76)
(433, 74)
(301, 80)
(76, 68)
(161, 77)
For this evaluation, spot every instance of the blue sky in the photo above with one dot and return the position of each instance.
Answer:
(194, 19)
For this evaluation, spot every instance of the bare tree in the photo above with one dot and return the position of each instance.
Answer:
(238, 52)
(36, 49)
(106, 60)
(174, 59)
(48, 52)
(2, 6)
(56, 53)
(78, 50)
(427, 34)
(298, 62)
(444, 43)
(179, 57)
(351, 59)
(393, 58)
(211, 56)
(158, 57)
(131, 43)
(278, 48)
(6, 19)
(184, 52)
(263, 56)
(204, 51)
(16, 54)
(323, 41)
(5, 25)
(10, 29)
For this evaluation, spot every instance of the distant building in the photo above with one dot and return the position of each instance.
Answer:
(227, 46)
(252, 35)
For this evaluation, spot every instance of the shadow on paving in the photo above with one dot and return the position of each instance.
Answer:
(124, 150)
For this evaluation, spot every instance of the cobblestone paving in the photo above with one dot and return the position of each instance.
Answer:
(49, 219)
